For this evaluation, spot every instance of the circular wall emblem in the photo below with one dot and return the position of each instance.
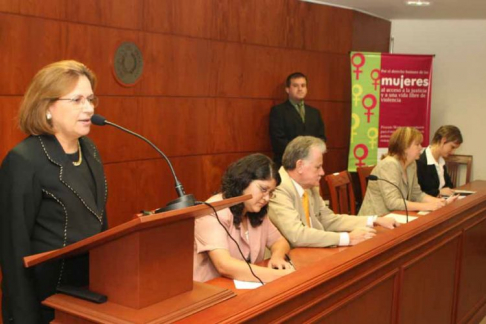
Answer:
(128, 63)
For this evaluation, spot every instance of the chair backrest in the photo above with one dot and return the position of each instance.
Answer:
(454, 162)
(363, 174)
(342, 193)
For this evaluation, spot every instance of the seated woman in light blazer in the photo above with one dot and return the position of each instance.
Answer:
(431, 169)
(399, 168)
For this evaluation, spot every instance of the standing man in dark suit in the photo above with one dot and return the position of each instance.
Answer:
(293, 117)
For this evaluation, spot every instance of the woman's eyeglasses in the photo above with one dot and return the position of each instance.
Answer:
(80, 101)
(266, 192)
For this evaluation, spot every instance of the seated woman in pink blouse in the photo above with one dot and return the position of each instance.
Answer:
(216, 254)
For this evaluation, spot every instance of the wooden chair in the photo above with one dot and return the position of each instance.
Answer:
(454, 163)
(342, 193)
(363, 173)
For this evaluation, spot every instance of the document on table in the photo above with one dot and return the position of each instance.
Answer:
(464, 192)
(401, 218)
(246, 284)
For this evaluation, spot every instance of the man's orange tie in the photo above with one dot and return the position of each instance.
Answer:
(305, 204)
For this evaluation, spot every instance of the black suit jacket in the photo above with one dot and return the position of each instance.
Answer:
(45, 205)
(428, 177)
(286, 124)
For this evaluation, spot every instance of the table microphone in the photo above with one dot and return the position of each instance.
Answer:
(375, 178)
(183, 200)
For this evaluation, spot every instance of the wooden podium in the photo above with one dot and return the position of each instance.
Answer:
(144, 267)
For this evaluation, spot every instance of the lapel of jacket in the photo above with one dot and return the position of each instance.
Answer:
(433, 172)
(90, 153)
(290, 187)
(69, 177)
(293, 111)
(411, 172)
(432, 175)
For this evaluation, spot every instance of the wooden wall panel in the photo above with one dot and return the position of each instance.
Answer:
(50, 8)
(27, 45)
(177, 66)
(260, 72)
(10, 132)
(327, 29)
(472, 279)
(180, 17)
(213, 169)
(115, 145)
(246, 71)
(12, 6)
(123, 191)
(360, 307)
(182, 127)
(155, 183)
(370, 33)
(436, 281)
(148, 184)
(241, 125)
(336, 117)
(252, 22)
(335, 159)
(95, 46)
(114, 13)
(276, 23)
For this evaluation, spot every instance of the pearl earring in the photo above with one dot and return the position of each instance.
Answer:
(48, 116)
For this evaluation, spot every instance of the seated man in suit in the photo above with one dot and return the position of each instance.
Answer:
(298, 210)
(293, 117)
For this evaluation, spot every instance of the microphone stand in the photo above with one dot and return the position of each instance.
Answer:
(375, 178)
(184, 200)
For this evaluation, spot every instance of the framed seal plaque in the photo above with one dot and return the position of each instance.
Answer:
(128, 64)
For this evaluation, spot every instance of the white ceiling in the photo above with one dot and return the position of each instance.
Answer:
(397, 9)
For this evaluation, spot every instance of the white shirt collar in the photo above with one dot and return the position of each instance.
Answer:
(431, 160)
(299, 188)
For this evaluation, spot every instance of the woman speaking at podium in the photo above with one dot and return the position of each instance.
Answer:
(399, 168)
(52, 190)
(248, 224)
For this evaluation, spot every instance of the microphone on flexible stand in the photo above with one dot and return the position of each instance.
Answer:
(375, 178)
(183, 200)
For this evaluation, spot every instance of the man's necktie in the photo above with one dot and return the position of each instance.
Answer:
(305, 204)
(302, 111)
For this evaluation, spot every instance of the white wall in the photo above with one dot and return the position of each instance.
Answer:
(459, 77)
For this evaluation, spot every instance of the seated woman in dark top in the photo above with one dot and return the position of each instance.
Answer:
(431, 169)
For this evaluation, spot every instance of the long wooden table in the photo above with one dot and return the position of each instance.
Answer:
(431, 270)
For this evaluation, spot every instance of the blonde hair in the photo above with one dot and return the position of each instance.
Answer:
(50, 83)
(401, 139)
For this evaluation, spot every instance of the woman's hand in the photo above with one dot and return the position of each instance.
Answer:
(279, 263)
(452, 199)
(434, 205)
(386, 222)
(446, 191)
